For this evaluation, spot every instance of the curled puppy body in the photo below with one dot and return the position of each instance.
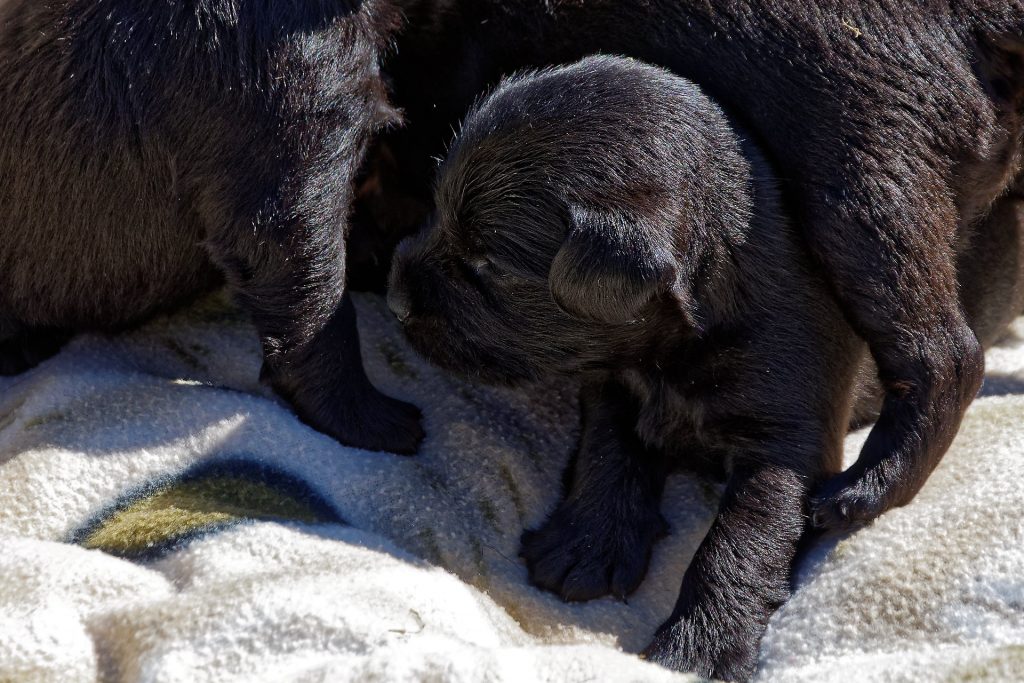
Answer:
(606, 219)
(148, 153)
(895, 126)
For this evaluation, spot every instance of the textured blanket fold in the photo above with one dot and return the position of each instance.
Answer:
(163, 517)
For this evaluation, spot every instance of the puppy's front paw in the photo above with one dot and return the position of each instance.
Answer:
(848, 501)
(384, 424)
(363, 419)
(582, 553)
(681, 646)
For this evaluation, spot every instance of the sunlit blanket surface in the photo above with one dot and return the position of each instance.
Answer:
(164, 518)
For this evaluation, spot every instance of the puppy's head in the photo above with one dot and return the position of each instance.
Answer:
(560, 238)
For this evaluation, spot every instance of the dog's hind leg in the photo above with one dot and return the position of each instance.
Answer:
(277, 231)
(991, 276)
(899, 290)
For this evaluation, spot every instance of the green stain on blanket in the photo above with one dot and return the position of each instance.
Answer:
(46, 419)
(216, 309)
(164, 515)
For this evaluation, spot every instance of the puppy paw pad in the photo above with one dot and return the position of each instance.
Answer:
(582, 559)
(846, 509)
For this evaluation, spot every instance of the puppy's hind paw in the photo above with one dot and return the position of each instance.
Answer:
(848, 502)
(669, 650)
(680, 646)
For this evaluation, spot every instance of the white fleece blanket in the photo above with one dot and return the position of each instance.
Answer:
(164, 518)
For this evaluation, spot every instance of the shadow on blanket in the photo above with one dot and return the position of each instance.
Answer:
(1002, 385)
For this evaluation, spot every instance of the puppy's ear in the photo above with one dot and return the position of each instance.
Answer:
(610, 266)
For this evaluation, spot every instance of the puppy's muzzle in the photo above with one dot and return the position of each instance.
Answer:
(399, 304)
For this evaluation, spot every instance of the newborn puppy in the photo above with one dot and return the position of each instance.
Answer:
(894, 125)
(149, 151)
(607, 220)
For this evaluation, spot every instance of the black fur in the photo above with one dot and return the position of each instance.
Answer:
(149, 151)
(606, 219)
(894, 125)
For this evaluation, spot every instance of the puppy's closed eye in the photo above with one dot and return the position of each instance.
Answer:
(482, 265)
(494, 267)
(479, 272)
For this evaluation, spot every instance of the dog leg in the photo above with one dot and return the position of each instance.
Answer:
(598, 541)
(739, 576)
(279, 236)
(899, 290)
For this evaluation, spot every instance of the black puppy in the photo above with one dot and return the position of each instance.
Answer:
(894, 125)
(151, 150)
(607, 219)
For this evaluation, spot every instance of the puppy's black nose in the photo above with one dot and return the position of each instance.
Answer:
(399, 304)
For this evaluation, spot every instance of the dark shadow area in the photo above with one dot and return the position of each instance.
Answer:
(1010, 339)
(812, 550)
(1001, 385)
